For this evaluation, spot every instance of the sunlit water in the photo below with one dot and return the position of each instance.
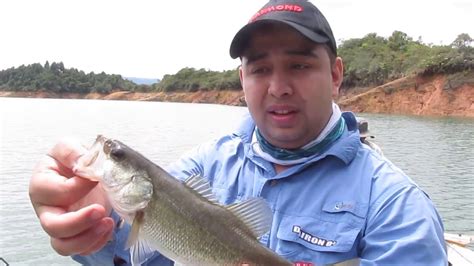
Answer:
(436, 152)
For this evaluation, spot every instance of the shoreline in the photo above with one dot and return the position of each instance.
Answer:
(430, 96)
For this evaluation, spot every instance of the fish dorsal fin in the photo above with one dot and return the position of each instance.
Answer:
(201, 186)
(255, 213)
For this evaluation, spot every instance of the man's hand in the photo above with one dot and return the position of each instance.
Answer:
(72, 210)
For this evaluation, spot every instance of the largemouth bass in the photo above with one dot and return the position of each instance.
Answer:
(181, 220)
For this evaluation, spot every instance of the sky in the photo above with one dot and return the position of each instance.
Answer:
(151, 38)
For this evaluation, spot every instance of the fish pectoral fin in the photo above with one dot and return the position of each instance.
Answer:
(255, 213)
(141, 251)
(201, 186)
(140, 248)
(135, 229)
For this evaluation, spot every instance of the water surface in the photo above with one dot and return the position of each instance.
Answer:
(436, 152)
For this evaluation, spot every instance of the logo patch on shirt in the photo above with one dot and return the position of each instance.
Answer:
(312, 239)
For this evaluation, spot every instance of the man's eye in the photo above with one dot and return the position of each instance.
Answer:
(259, 70)
(300, 66)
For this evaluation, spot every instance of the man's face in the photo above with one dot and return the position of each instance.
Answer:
(289, 84)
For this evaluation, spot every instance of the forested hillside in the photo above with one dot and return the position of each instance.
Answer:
(55, 77)
(374, 60)
(369, 61)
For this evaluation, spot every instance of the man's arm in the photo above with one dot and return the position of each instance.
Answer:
(403, 228)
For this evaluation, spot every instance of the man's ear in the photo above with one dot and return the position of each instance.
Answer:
(240, 75)
(337, 73)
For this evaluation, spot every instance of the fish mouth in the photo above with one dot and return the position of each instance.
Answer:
(101, 139)
(89, 165)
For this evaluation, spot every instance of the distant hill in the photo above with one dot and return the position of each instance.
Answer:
(142, 81)
(55, 77)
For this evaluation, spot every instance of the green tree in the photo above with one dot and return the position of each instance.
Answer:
(462, 41)
(399, 41)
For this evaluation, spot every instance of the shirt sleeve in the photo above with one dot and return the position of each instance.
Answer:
(403, 228)
(191, 163)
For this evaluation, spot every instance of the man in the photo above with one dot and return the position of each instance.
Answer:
(333, 198)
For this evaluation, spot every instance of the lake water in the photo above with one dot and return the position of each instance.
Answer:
(438, 153)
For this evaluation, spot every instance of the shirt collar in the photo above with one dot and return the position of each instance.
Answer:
(345, 148)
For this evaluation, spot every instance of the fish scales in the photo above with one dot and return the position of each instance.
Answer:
(226, 236)
(168, 234)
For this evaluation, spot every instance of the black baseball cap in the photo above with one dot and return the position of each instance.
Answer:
(301, 15)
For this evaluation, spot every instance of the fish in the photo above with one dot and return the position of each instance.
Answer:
(181, 220)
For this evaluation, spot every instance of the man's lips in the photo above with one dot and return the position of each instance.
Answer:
(282, 115)
(281, 110)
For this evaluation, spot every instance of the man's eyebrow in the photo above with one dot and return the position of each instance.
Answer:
(252, 57)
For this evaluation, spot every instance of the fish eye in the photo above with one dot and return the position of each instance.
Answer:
(117, 153)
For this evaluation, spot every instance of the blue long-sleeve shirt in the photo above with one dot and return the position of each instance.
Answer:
(348, 202)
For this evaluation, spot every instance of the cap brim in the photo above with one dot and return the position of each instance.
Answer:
(241, 39)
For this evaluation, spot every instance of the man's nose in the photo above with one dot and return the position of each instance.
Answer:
(279, 85)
